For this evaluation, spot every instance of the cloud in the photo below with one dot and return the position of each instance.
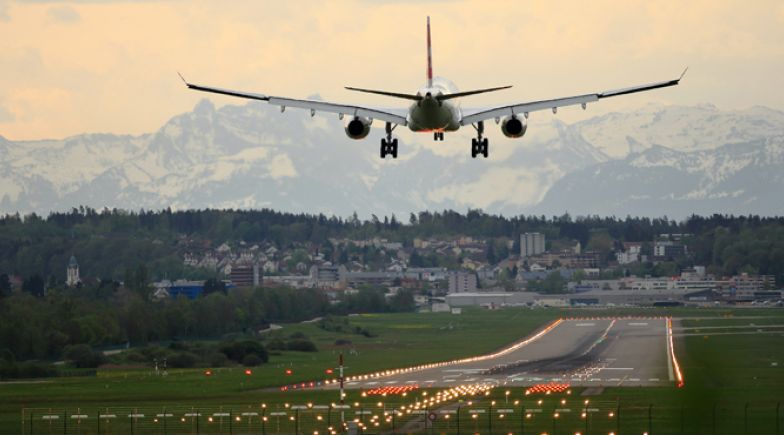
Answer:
(63, 14)
(6, 115)
(4, 12)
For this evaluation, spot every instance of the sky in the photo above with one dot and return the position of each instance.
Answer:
(111, 66)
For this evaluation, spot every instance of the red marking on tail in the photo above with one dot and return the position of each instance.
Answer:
(429, 57)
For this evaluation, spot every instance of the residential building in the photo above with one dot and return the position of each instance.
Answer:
(668, 249)
(462, 282)
(631, 253)
(246, 275)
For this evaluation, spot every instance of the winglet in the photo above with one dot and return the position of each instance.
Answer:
(683, 73)
(183, 79)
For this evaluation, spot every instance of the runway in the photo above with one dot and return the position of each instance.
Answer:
(597, 352)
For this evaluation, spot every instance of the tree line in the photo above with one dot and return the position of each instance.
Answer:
(117, 244)
(108, 315)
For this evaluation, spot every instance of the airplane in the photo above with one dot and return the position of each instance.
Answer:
(433, 109)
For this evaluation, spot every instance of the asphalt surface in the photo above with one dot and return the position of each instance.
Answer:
(590, 352)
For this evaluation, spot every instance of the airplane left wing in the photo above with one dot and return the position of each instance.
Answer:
(313, 106)
(554, 104)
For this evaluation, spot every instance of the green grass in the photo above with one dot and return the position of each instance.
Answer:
(725, 371)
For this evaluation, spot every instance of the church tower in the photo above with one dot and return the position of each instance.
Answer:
(73, 272)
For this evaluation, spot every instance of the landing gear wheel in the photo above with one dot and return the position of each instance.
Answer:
(388, 148)
(389, 145)
(479, 145)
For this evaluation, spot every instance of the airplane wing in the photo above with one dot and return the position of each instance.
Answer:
(313, 106)
(554, 104)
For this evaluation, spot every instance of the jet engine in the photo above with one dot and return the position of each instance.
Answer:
(513, 126)
(358, 127)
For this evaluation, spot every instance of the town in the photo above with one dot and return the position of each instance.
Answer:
(548, 262)
(498, 273)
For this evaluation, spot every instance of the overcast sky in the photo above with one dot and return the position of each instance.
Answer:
(110, 66)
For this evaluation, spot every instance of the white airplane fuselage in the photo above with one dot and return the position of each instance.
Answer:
(429, 114)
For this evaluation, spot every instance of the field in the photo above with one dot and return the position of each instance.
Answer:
(726, 362)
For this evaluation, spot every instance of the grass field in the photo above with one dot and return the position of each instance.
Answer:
(722, 372)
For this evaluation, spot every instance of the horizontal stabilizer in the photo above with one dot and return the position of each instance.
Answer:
(388, 94)
(467, 93)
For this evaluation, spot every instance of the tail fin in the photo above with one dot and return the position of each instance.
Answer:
(429, 57)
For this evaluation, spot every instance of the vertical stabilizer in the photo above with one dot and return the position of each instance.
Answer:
(429, 57)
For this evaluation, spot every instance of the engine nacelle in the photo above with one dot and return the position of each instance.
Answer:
(513, 126)
(358, 127)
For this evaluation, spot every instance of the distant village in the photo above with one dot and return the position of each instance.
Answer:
(527, 271)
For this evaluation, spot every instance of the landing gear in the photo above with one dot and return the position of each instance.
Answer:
(479, 145)
(389, 145)
(438, 135)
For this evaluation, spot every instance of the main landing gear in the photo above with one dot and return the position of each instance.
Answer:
(389, 145)
(438, 135)
(479, 145)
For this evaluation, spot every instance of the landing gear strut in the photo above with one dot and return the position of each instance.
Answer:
(389, 145)
(479, 145)
(438, 135)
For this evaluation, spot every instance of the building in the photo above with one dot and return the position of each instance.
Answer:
(245, 275)
(72, 278)
(668, 249)
(326, 275)
(189, 289)
(631, 253)
(531, 244)
(462, 282)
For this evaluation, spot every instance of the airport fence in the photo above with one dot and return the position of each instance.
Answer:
(457, 418)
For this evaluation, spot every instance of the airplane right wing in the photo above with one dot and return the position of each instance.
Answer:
(313, 106)
(554, 104)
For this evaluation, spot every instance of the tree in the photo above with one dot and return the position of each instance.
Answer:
(490, 253)
(34, 285)
(213, 285)
(5, 285)
(81, 356)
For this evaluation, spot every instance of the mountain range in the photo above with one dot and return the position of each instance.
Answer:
(656, 160)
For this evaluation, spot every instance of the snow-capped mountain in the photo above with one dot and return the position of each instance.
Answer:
(251, 156)
(679, 127)
(741, 178)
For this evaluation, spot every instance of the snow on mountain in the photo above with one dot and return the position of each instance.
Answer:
(251, 156)
(679, 127)
(737, 178)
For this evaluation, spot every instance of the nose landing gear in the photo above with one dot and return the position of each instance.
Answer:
(438, 136)
(389, 145)
(479, 145)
